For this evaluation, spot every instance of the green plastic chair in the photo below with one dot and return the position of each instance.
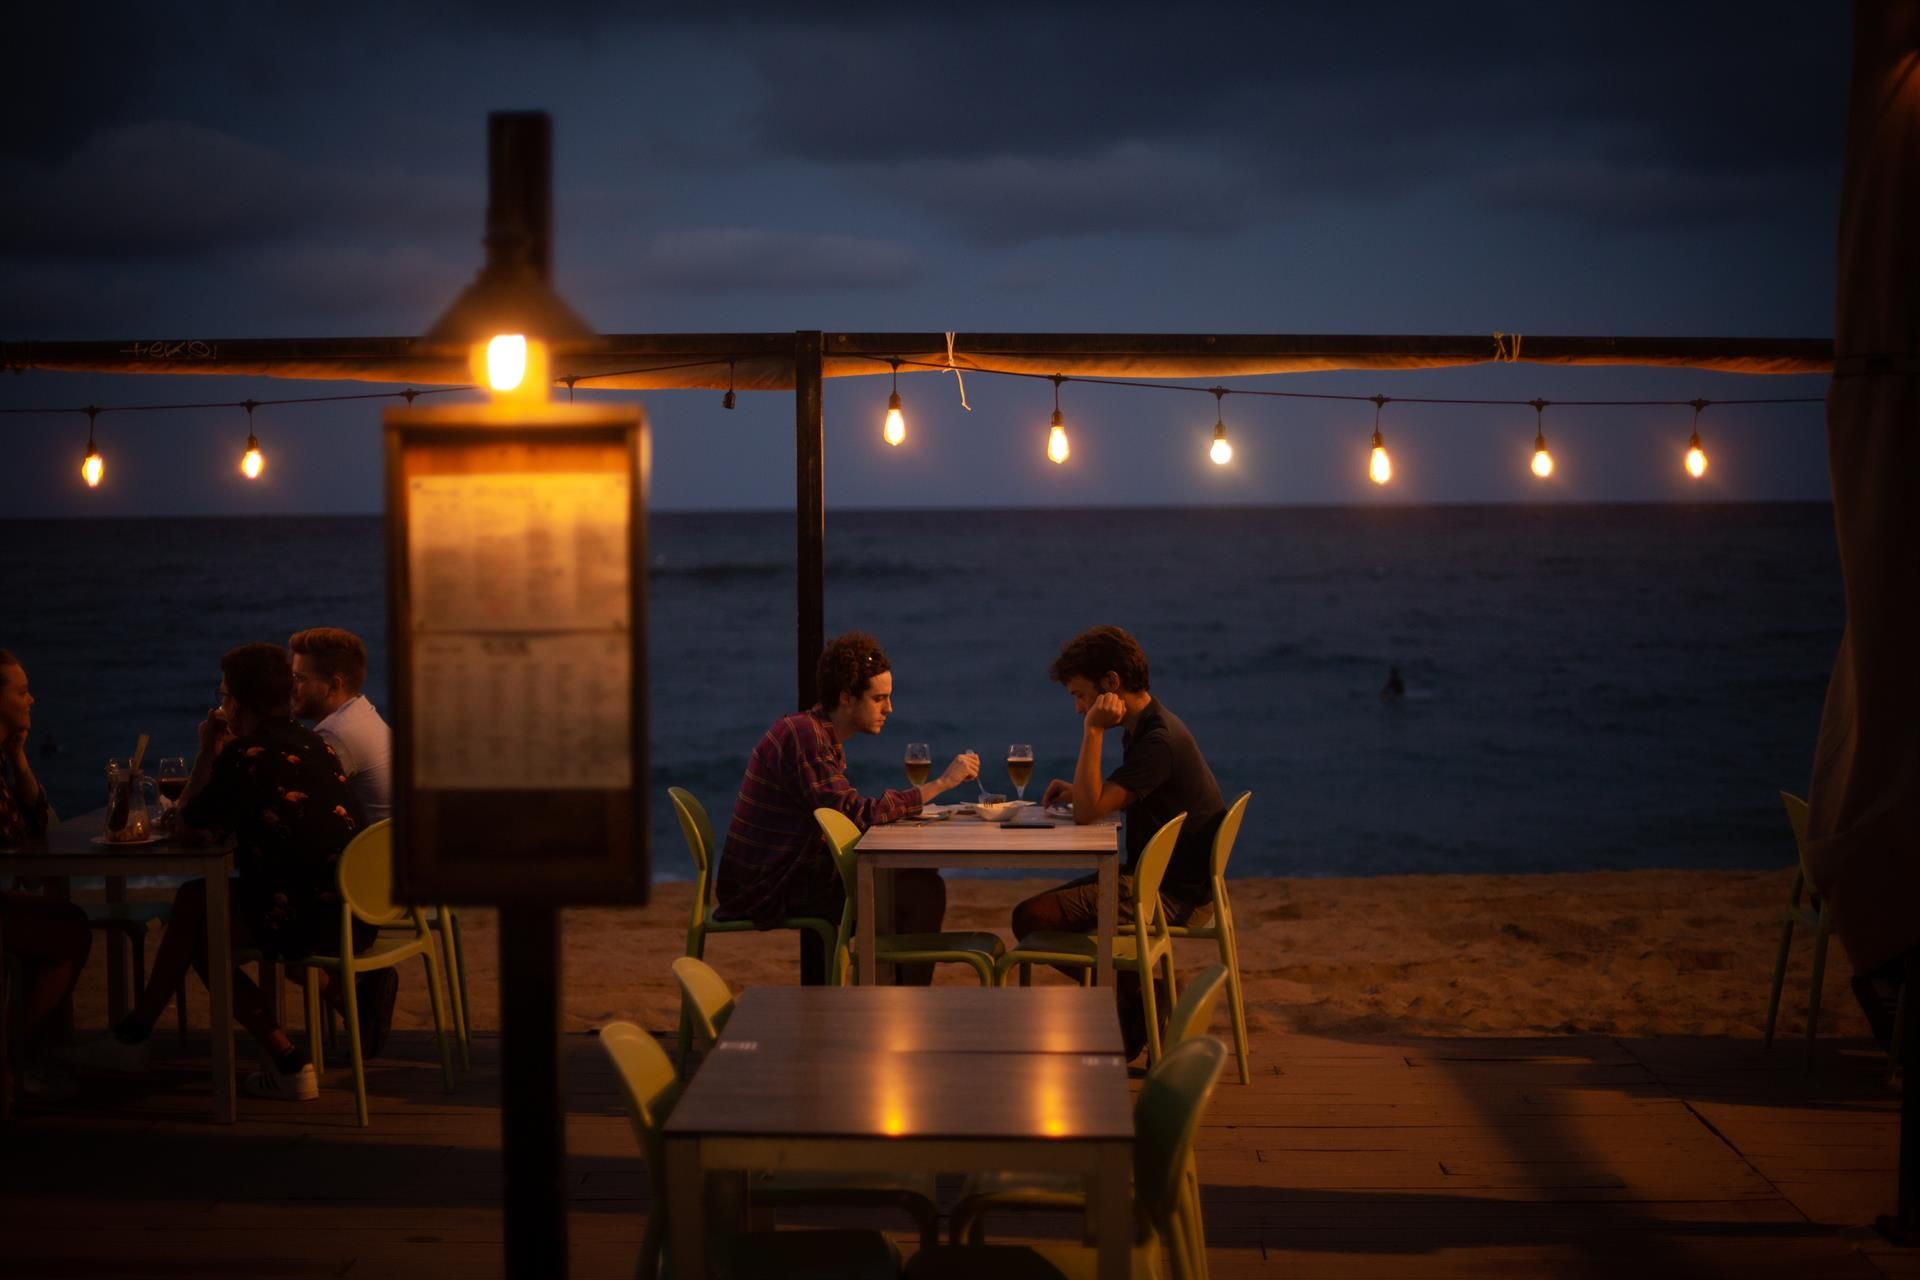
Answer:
(651, 1087)
(446, 921)
(366, 893)
(1817, 917)
(1166, 1187)
(996, 1189)
(702, 987)
(1140, 946)
(980, 951)
(697, 828)
(1221, 930)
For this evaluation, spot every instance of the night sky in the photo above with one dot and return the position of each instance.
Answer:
(212, 171)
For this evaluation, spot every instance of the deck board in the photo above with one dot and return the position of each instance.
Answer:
(1580, 1156)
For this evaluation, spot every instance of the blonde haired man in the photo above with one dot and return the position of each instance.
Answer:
(329, 669)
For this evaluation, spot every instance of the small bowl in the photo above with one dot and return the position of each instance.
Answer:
(998, 811)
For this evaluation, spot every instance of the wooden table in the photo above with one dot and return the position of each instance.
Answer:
(966, 841)
(827, 1096)
(67, 850)
(925, 1020)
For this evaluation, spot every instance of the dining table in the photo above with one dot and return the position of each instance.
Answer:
(77, 848)
(947, 1079)
(958, 838)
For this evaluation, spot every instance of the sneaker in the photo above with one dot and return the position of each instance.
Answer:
(108, 1053)
(375, 996)
(300, 1085)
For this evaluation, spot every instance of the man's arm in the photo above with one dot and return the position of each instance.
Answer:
(1094, 798)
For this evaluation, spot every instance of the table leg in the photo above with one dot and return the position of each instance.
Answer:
(220, 996)
(883, 917)
(60, 889)
(1107, 921)
(119, 956)
(687, 1215)
(1112, 1212)
(863, 911)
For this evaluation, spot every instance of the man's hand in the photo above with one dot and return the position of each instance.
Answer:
(215, 734)
(1107, 711)
(1059, 792)
(965, 768)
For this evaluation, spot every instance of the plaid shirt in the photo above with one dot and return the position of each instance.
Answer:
(775, 859)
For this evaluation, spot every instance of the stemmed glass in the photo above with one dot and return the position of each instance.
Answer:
(919, 762)
(172, 775)
(1020, 767)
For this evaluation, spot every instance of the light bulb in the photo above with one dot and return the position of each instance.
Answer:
(896, 429)
(506, 361)
(1057, 439)
(1220, 451)
(1379, 466)
(93, 468)
(252, 462)
(1696, 457)
(1542, 460)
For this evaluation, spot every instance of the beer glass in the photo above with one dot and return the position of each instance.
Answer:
(919, 762)
(1020, 767)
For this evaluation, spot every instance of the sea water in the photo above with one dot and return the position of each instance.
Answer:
(1586, 686)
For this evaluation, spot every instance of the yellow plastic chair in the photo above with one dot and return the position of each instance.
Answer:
(697, 828)
(1817, 917)
(1221, 930)
(1140, 945)
(366, 894)
(995, 1189)
(711, 998)
(980, 951)
(1166, 1198)
(651, 1088)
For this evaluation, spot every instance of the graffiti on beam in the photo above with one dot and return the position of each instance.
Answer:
(180, 349)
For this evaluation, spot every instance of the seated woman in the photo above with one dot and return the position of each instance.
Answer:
(281, 793)
(49, 939)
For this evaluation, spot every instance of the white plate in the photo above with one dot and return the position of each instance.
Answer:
(105, 843)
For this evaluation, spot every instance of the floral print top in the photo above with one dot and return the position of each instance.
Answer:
(283, 796)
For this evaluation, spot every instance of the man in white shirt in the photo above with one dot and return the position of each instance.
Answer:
(329, 668)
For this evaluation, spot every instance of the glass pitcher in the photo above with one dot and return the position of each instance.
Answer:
(132, 799)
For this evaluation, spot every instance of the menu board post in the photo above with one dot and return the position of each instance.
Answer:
(516, 570)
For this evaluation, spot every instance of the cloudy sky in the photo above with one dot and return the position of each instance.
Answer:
(221, 171)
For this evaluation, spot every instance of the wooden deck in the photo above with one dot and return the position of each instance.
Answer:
(1579, 1156)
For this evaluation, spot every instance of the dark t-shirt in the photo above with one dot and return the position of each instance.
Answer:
(281, 793)
(1167, 776)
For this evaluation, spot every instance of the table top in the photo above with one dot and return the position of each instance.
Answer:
(763, 1091)
(68, 848)
(971, 835)
(956, 1019)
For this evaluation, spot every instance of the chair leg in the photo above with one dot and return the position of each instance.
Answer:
(1236, 1006)
(1819, 977)
(1779, 977)
(1026, 975)
(318, 1021)
(1153, 1014)
(983, 968)
(346, 975)
(456, 990)
(437, 996)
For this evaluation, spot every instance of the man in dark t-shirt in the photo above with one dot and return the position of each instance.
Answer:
(1161, 775)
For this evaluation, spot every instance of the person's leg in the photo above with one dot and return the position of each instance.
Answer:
(825, 902)
(919, 906)
(51, 940)
(183, 946)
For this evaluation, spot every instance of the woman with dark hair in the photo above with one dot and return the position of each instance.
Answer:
(278, 790)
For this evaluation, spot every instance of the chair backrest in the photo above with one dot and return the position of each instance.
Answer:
(651, 1087)
(1226, 833)
(1166, 1117)
(1797, 819)
(707, 993)
(698, 831)
(842, 839)
(1193, 1012)
(1150, 870)
(366, 876)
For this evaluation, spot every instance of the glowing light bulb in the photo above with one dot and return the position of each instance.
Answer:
(1379, 466)
(252, 462)
(93, 468)
(1220, 451)
(1542, 460)
(1696, 457)
(1057, 449)
(896, 429)
(506, 361)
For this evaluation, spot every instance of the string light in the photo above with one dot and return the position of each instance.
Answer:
(92, 467)
(1057, 448)
(1220, 451)
(727, 401)
(1379, 465)
(1542, 460)
(506, 361)
(1696, 456)
(896, 429)
(252, 463)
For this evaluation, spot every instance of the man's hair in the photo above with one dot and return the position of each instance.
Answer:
(333, 652)
(260, 678)
(6, 660)
(1098, 650)
(847, 664)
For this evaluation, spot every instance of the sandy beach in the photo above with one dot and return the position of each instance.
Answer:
(1631, 953)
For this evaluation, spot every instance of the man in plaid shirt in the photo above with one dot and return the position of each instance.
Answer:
(775, 863)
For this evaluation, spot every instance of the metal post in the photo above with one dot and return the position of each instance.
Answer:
(533, 1138)
(1902, 1227)
(810, 505)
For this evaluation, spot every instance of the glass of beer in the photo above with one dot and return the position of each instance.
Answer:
(919, 762)
(1020, 767)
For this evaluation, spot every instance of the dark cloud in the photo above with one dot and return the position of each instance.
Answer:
(743, 259)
